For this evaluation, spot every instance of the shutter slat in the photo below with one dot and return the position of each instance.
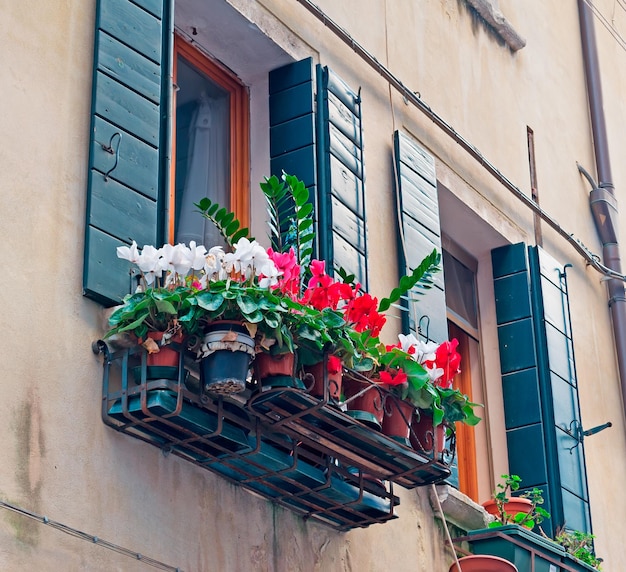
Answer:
(343, 119)
(138, 163)
(346, 185)
(133, 26)
(123, 107)
(110, 198)
(129, 68)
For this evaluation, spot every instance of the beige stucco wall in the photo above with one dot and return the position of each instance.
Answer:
(59, 460)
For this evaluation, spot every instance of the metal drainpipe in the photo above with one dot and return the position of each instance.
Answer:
(602, 198)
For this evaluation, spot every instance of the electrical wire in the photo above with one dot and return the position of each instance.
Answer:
(603, 20)
(414, 99)
(89, 538)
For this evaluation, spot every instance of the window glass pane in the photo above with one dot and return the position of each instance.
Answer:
(202, 152)
(460, 289)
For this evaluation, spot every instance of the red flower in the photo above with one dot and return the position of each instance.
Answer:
(333, 365)
(449, 360)
(398, 377)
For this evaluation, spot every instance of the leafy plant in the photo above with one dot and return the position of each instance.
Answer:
(290, 216)
(224, 220)
(501, 496)
(420, 278)
(579, 545)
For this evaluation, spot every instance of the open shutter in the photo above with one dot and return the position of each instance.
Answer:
(542, 413)
(323, 146)
(420, 233)
(126, 161)
(343, 236)
(292, 123)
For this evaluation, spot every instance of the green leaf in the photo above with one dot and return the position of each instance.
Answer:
(165, 306)
(246, 304)
(210, 301)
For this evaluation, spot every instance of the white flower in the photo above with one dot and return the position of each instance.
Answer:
(128, 253)
(175, 259)
(197, 255)
(149, 263)
(213, 265)
(422, 352)
(434, 373)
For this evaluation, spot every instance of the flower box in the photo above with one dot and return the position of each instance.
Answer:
(524, 548)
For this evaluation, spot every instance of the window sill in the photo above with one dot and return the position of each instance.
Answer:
(460, 510)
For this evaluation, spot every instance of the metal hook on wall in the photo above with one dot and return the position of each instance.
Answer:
(109, 149)
(424, 330)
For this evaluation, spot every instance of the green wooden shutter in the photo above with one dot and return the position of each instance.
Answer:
(292, 123)
(323, 146)
(341, 192)
(418, 209)
(539, 382)
(126, 161)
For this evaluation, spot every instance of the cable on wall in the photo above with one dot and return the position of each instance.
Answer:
(90, 538)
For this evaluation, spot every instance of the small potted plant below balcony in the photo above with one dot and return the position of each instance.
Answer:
(510, 536)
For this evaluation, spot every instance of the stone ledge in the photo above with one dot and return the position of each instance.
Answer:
(460, 510)
(498, 23)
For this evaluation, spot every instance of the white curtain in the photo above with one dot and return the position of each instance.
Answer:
(208, 172)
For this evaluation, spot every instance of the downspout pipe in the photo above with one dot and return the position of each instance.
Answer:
(602, 197)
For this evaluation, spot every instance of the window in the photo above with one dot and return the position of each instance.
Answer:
(142, 177)
(462, 303)
(211, 144)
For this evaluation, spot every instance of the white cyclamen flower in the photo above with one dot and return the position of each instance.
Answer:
(128, 253)
(213, 264)
(197, 255)
(175, 259)
(149, 263)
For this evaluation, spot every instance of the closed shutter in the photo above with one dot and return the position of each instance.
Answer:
(127, 166)
(322, 145)
(420, 233)
(539, 382)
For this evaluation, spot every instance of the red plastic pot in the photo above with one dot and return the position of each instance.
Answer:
(397, 419)
(483, 563)
(335, 381)
(167, 355)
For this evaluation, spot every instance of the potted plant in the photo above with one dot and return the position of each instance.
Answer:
(524, 510)
(579, 545)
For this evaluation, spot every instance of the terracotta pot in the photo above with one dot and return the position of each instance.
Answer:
(483, 563)
(167, 355)
(370, 401)
(426, 438)
(269, 365)
(515, 505)
(335, 381)
(397, 418)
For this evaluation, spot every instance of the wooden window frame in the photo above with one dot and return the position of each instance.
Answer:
(239, 131)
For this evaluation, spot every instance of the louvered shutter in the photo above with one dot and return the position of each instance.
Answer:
(292, 123)
(322, 145)
(539, 382)
(341, 190)
(420, 233)
(127, 154)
